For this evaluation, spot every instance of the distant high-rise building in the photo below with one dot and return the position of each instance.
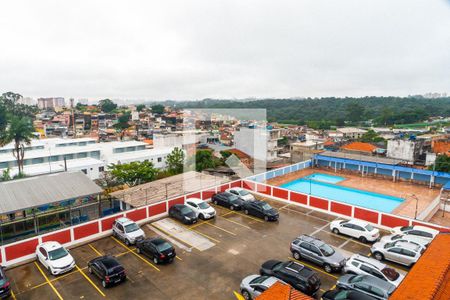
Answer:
(54, 103)
(27, 101)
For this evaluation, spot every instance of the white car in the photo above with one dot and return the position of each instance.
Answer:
(355, 228)
(127, 231)
(400, 252)
(55, 258)
(363, 265)
(241, 193)
(201, 209)
(405, 238)
(423, 232)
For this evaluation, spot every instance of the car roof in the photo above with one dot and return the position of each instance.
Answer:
(109, 261)
(51, 245)
(311, 239)
(358, 222)
(123, 220)
(377, 282)
(426, 229)
(368, 260)
(269, 281)
(195, 200)
(157, 241)
(407, 245)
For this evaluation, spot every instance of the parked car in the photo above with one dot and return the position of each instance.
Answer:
(344, 294)
(367, 284)
(297, 275)
(5, 284)
(202, 210)
(241, 193)
(360, 265)
(55, 258)
(108, 269)
(260, 209)
(315, 250)
(400, 252)
(158, 249)
(405, 238)
(127, 231)
(228, 200)
(355, 228)
(183, 213)
(423, 232)
(254, 285)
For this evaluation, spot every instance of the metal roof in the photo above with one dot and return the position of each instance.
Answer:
(36, 191)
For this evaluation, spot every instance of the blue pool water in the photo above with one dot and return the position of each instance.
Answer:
(380, 202)
(324, 177)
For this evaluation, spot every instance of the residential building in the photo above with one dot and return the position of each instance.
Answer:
(351, 132)
(51, 103)
(409, 151)
(359, 148)
(83, 154)
(301, 151)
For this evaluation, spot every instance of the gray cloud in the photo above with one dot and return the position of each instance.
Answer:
(224, 49)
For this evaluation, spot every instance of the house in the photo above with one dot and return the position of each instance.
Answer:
(301, 151)
(260, 143)
(409, 151)
(351, 133)
(359, 148)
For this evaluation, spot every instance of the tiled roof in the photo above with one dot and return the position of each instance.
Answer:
(429, 279)
(359, 146)
(280, 291)
(239, 153)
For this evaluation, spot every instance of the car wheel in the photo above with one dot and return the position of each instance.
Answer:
(378, 256)
(363, 239)
(327, 268)
(266, 218)
(231, 207)
(138, 250)
(201, 216)
(155, 260)
(49, 270)
(90, 270)
(215, 202)
(296, 255)
(246, 295)
(104, 284)
(246, 212)
(335, 231)
(114, 234)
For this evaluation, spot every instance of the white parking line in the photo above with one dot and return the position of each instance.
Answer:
(343, 244)
(170, 239)
(321, 228)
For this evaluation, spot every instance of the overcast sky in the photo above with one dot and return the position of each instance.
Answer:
(191, 49)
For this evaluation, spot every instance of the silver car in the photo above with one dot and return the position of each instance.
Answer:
(405, 238)
(363, 265)
(254, 285)
(367, 284)
(404, 253)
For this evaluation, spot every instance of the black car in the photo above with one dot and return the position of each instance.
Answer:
(157, 249)
(5, 285)
(108, 269)
(183, 213)
(260, 209)
(342, 294)
(297, 275)
(228, 200)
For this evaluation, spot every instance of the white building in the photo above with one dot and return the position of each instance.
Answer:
(259, 143)
(84, 154)
(54, 103)
(351, 132)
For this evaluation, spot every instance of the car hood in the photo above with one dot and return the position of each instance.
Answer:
(62, 262)
(270, 264)
(190, 214)
(208, 211)
(378, 245)
(272, 212)
(337, 257)
(336, 222)
(136, 233)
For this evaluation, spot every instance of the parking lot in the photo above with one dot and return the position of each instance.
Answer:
(234, 245)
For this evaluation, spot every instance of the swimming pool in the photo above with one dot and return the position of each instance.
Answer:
(325, 177)
(375, 201)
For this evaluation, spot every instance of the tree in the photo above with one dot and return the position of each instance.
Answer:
(6, 175)
(441, 164)
(371, 137)
(122, 124)
(158, 109)
(225, 154)
(106, 105)
(204, 160)
(20, 131)
(355, 112)
(175, 161)
(140, 107)
(133, 173)
(11, 106)
(3, 117)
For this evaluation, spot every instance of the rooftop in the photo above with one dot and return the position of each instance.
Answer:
(36, 191)
(430, 276)
(374, 159)
(351, 130)
(280, 291)
(359, 146)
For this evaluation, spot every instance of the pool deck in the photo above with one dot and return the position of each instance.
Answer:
(377, 185)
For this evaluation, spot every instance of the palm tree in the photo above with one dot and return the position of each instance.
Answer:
(19, 131)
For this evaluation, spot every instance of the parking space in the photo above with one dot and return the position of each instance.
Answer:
(241, 244)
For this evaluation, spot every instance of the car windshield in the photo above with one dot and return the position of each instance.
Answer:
(404, 228)
(57, 253)
(164, 246)
(369, 227)
(357, 278)
(203, 205)
(390, 273)
(244, 193)
(259, 279)
(326, 250)
(389, 245)
(131, 227)
(396, 237)
(186, 210)
(266, 206)
(233, 198)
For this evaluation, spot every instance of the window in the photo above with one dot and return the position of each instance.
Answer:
(356, 227)
(315, 250)
(408, 253)
(362, 286)
(347, 225)
(84, 171)
(82, 155)
(101, 169)
(159, 159)
(395, 250)
(355, 264)
(377, 291)
(366, 269)
(42, 250)
(38, 160)
(69, 156)
(54, 158)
